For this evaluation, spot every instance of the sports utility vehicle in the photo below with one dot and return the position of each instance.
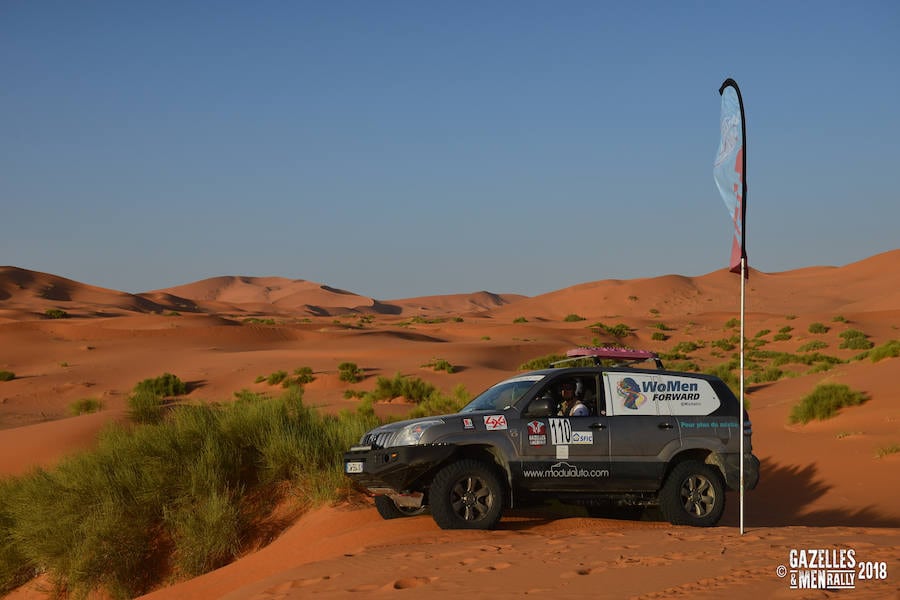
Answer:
(650, 437)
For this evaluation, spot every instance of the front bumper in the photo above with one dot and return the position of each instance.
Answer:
(400, 469)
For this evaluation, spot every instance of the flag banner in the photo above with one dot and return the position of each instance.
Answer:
(729, 169)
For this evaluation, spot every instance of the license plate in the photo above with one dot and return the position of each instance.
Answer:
(354, 467)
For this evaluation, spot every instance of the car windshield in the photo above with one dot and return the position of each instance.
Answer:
(504, 394)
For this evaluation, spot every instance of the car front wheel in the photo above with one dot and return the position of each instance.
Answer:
(466, 495)
(693, 495)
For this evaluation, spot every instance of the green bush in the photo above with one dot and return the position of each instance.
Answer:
(350, 372)
(520, 320)
(165, 386)
(731, 323)
(572, 317)
(818, 328)
(686, 347)
(276, 377)
(661, 327)
(890, 349)
(411, 388)
(855, 339)
(145, 407)
(659, 336)
(620, 330)
(766, 375)
(813, 345)
(440, 364)
(7, 375)
(824, 402)
(762, 332)
(56, 313)
(839, 319)
(190, 493)
(725, 372)
(85, 406)
(303, 375)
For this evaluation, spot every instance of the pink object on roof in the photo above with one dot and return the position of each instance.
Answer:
(619, 353)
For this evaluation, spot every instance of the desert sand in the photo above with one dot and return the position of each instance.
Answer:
(823, 485)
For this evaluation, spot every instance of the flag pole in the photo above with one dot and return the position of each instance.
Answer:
(741, 427)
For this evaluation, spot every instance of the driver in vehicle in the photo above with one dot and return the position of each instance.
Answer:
(573, 405)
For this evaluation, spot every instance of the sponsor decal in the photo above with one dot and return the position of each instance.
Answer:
(562, 453)
(630, 393)
(537, 433)
(829, 569)
(494, 422)
(565, 470)
(354, 467)
(582, 437)
(468, 424)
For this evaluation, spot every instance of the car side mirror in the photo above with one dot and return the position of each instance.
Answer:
(540, 407)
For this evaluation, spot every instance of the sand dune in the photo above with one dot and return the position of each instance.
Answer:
(823, 484)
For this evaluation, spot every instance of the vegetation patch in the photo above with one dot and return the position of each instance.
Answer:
(889, 349)
(620, 330)
(818, 328)
(440, 364)
(824, 402)
(813, 345)
(350, 372)
(56, 313)
(178, 498)
(7, 375)
(572, 317)
(259, 321)
(854, 339)
(887, 450)
(520, 320)
(85, 406)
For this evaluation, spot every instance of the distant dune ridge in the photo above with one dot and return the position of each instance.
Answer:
(871, 284)
(826, 484)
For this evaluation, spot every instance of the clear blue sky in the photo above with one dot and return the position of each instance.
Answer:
(397, 149)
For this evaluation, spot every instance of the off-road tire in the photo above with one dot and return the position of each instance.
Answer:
(389, 510)
(693, 494)
(466, 494)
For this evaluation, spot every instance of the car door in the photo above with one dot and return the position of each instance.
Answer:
(561, 453)
(641, 437)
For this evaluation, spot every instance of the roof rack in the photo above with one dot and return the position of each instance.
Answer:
(621, 356)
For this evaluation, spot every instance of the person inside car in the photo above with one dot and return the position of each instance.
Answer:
(572, 405)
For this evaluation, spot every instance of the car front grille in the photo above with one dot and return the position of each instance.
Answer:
(378, 440)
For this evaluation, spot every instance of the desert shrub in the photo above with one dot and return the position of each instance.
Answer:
(520, 320)
(303, 375)
(654, 311)
(276, 377)
(659, 336)
(818, 328)
(781, 337)
(820, 368)
(661, 327)
(440, 404)
(813, 345)
(85, 406)
(259, 321)
(440, 364)
(762, 332)
(683, 365)
(572, 317)
(620, 330)
(725, 344)
(855, 339)
(766, 375)
(7, 375)
(145, 407)
(887, 450)
(189, 493)
(890, 349)
(824, 402)
(166, 385)
(839, 319)
(350, 372)
(56, 313)
(731, 323)
(411, 388)
(686, 347)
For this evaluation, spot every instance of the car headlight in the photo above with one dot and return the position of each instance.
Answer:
(412, 433)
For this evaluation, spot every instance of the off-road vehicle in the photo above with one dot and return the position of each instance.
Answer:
(651, 437)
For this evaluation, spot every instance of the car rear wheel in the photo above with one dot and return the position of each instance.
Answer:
(388, 509)
(693, 495)
(466, 495)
